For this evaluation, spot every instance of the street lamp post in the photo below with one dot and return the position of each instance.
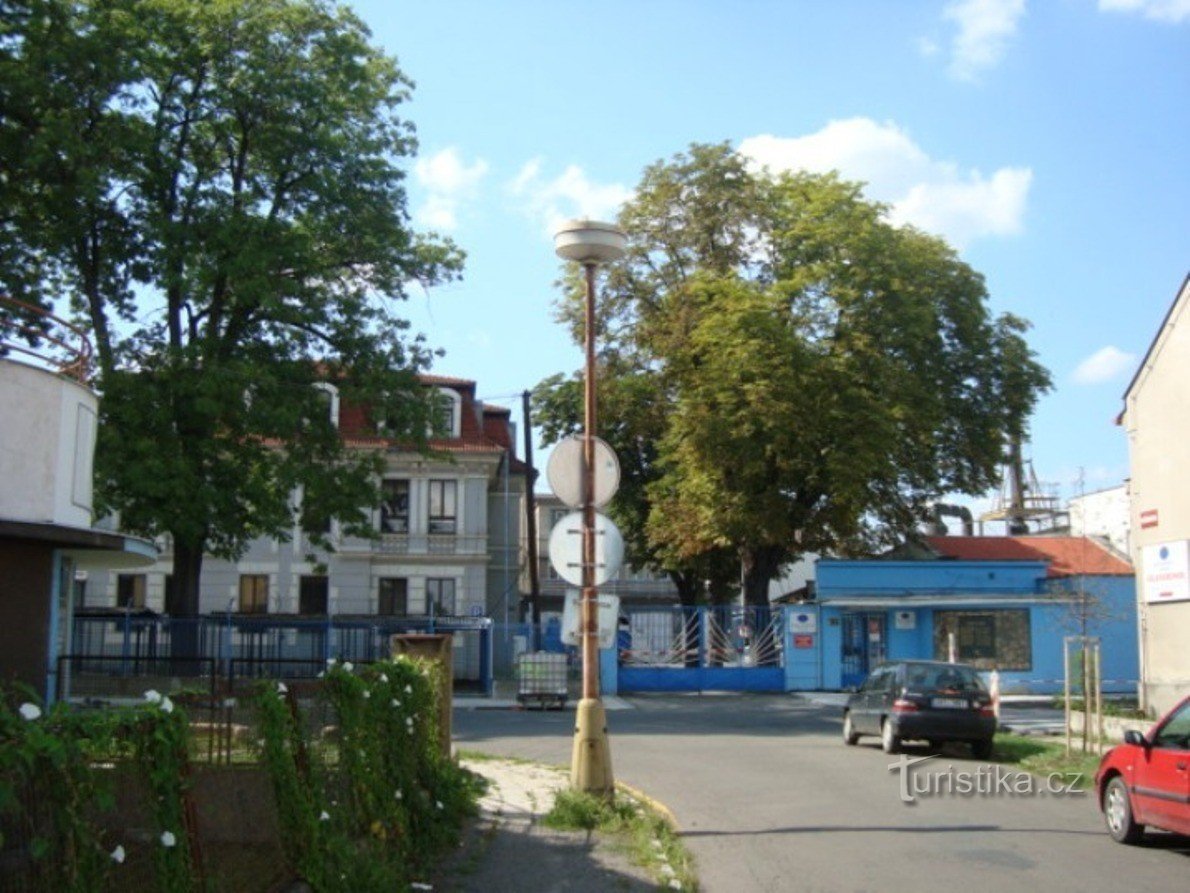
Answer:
(590, 243)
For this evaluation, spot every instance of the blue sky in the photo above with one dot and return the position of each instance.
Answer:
(1049, 142)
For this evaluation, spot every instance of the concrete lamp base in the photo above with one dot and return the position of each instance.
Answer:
(591, 761)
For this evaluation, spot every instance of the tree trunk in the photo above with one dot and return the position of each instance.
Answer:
(760, 566)
(184, 624)
(689, 589)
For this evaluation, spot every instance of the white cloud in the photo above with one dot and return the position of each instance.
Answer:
(985, 29)
(570, 194)
(937, 196)
(1170, 11)
(1104, 365)
(448, 182)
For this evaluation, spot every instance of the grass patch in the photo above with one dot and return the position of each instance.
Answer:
(1047, 756)
(645, 836)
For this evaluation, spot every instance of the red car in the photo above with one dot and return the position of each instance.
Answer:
(1146, 780)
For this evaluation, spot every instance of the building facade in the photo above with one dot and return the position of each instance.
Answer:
(1156, 410)
(1004, 603)
(47, 445)
(1105, 514)
(446, 545)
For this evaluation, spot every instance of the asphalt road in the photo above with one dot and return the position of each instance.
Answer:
(769, 799)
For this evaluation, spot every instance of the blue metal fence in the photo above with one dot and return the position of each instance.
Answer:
(129, 644)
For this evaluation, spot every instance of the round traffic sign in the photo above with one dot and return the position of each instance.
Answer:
(566, 549)
(565, 472)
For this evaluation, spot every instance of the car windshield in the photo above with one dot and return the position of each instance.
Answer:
(924, 677)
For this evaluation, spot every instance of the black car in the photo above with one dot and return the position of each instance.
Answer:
(922, 699)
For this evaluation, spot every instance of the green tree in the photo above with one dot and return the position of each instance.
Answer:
(822, 375)
(216, 186)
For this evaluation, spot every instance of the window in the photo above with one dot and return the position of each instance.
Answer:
(254, 594)
(328, 396)
(130, 591)
(987, 639)
(440, 597)
(443, 506)
(312, 595)
(1176, 731)
(393, 597)
(394, 506)
(446, 421)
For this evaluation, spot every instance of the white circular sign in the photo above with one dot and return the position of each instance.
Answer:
(565, 472)
(566, 549)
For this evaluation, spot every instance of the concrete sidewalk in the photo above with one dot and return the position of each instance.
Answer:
(507, 848)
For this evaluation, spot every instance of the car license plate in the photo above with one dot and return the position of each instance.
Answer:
(951, 703)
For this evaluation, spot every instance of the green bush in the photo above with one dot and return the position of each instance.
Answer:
(52, 790)
(375, 811)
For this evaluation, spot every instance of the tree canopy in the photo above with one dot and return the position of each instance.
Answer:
(216, 187)
(812, 376)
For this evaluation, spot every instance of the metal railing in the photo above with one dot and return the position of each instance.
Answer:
(128, 644)
(50, 342)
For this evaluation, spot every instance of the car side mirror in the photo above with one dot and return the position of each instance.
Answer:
(1132, 736)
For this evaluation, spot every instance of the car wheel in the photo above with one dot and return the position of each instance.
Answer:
(982, 750)
(1117, 813)
(889, 740)
(850, 736)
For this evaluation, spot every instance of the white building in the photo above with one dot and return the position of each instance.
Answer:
(1103, 514)
(1157, 418)
(447, 536)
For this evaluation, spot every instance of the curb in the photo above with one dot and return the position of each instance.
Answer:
(656, 805)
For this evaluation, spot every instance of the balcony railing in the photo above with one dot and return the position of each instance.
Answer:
(431, 544)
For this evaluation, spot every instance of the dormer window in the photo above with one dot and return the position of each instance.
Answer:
(329, 394)
(447, 414)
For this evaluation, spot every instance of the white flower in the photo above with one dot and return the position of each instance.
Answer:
(367, 694)
(153, 696)
(675, 884)
(167, 705)
(408, 689)
(399, 794)
(418, 885)
(118, 855)
(384, 677)
(325, 817)
(321, 674)
(330, 661)
(396, 703)
(438, 803)
(168, 839)
(349, 666)
(30, 711)
(282, 688)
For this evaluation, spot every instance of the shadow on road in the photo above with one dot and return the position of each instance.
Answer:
(890, 829)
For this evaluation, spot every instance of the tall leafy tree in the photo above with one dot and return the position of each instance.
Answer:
(822, 375)
(216, 185)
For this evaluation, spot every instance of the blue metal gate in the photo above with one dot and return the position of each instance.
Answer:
(702, 649)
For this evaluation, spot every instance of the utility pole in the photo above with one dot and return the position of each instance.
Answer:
(531, 525)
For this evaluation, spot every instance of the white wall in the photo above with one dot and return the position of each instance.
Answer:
(47, 443)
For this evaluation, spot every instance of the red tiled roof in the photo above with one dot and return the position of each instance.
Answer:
(1066, 555)
(427, 378)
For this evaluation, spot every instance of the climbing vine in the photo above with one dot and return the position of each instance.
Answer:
(56, 785)
(373, 811)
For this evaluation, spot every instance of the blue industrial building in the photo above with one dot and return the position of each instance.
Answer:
(1004, 603)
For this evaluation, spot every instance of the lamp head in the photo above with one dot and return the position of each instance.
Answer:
(589, 242)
